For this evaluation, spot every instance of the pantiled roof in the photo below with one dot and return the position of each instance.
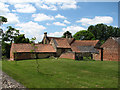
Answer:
(32, 48)
(50, 38)
(69, 40)
(84, 46)
(62, 43)
(110, 42)
(84, 42)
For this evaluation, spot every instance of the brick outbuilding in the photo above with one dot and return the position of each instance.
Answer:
(54, 46)
(30, 51)
(110, 50)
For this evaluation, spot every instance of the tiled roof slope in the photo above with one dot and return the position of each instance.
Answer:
(62, 43)
(111, 42)
(31, 48)
(84, 42)
(83, 45)
(69, 40)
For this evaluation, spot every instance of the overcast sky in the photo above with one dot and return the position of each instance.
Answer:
(34, 17)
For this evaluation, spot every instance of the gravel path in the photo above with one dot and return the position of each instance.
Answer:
(6, 82)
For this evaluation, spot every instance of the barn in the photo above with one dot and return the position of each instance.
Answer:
(54, 46)
(110, 50)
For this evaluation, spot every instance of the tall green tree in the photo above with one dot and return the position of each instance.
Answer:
(6, 50)
(103, 32)
(21, 39)
(84, 35)
(10, 34)
(2, 19)
(67, 33)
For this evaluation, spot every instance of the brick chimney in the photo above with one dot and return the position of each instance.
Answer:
(66, 35)
(45, 41)
(70, 36)
(45, 34)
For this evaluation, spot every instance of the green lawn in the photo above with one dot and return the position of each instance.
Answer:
(63, 73)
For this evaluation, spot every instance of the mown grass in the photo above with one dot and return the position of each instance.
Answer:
(63, 73)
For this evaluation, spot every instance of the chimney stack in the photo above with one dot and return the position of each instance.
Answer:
(45, 34)
(66, 35)
(70, 36)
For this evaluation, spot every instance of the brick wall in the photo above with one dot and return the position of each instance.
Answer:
(20, 56)
(11, 54)
(97, 56)
(110, 54)
(110, 50)
(61, 50)
(69, 55)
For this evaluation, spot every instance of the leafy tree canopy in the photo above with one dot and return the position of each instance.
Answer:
(2, 19)
(102, 32)
(84, 35)
(21, 39)
(67, 33)
(10, 34)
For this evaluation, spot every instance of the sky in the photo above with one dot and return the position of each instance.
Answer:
(34, 17)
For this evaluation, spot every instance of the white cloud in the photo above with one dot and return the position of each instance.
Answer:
(24, 8)
(56, 34)
(68, 6)
(67, 22)
(11, 17)
(48, 7)
(48, 24)
(60, 16)
(4, 8)
(13, 2)
(57, 4)
(72, 29)
(31, 29)
(42, 17)
(96, 20)
(59, 24)
(46, 4)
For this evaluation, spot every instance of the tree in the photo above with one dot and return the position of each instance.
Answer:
(2, 19)
(67, 33)
(21, 39)
(6, 50)
(10, 34)
(102, 32)
(84, 35)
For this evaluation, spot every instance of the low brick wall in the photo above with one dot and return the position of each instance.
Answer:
(21, 56)
(69, 55)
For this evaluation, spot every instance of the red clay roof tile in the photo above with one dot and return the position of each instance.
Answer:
(31, 48)
(62, 43)
(77, 43)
